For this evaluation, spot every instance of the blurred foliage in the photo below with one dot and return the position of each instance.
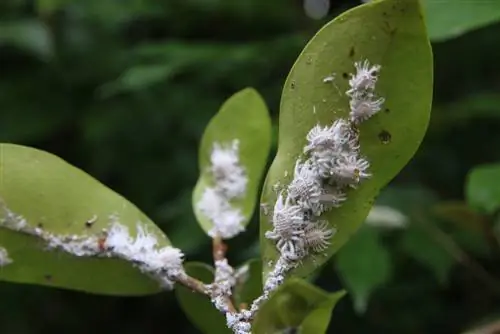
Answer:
(449, 19)
(124, 90)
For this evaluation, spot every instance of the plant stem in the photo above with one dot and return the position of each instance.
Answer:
(192, 284)
(219, 249)
(452, 248)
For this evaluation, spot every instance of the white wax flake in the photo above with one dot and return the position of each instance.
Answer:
(227, 221)
(4, 257)
(230, 177)
(230, 182)
(142, 250)
(329, 78)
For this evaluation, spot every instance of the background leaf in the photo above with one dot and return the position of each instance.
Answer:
(245, 117)
(449, 19)
(420, 246)
(198, 308)
(29, 35)
(316, 322)
(59, 198)
(482, 192)
(364, 264)
(393, 35)
(249, 287)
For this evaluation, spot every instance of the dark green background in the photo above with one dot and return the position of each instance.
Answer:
(124, 89)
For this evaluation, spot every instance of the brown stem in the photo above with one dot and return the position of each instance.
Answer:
(192, 284)
(452, 248)
(219, 249)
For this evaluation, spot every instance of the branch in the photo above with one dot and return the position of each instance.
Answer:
(224, 277)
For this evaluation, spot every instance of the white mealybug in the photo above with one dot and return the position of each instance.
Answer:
(317, 236)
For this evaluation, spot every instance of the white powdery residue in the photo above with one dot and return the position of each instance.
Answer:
(227, 220)
(273, 281)
(231, 181)
(4, 257)
(229, 175)
(143, 251)
(224, 281)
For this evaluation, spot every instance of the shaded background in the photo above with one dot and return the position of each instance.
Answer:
(123, 90)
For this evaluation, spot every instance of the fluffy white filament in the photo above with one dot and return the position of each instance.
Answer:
(230, 181)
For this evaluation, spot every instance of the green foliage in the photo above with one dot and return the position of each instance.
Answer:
(446, 19)
(243, 117)
(317, 321)
(30, 35)
(420, 246)
(392, 35)
(58, 198)
(364, 264)
(216, 48)
(198, 308)
(296, 304)
(482, 193)
(419, 240)
(249, 285)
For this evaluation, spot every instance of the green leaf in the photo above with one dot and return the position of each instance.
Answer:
(198, 308)
(249, 286)
(243, 117)
(290, 305)
(29, 35)
(364, 264)
(387, 32)
(482, 189)
(446, 20)
(59, 198)
(317, 321)
(420, 246)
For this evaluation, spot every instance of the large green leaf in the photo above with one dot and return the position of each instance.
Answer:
(198, 308)
(60, 199)
(243, 117)
(387, 32)
(449, 19)
(364, 264)
(291, 305)
(483, 189)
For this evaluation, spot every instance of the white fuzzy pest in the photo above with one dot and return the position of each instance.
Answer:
(230, 182)
(332, 164)
(142, 250)
(363, 102)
